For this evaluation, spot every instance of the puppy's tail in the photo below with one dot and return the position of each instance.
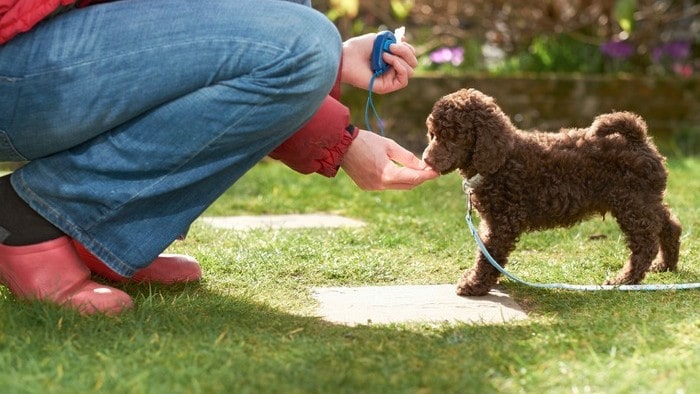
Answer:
(629, 125)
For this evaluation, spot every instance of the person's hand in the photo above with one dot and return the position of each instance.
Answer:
(377, 163)
(356, 69)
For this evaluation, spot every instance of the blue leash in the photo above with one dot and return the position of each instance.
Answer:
(565, 286)
(370, 104)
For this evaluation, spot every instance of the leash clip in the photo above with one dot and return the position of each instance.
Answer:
(467, 190)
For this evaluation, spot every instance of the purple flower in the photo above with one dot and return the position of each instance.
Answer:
(454, 55)
(617, 49)
(675, 50)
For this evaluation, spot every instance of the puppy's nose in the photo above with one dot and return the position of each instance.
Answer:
(424, 157)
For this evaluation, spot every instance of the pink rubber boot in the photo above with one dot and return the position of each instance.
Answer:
(166, 268)
(52, 271)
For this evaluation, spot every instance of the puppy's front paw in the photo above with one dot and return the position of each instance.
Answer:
(468, 285)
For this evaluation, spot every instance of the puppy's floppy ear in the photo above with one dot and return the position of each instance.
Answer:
(494, 136)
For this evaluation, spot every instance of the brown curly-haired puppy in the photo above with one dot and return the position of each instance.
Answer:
(533, 180)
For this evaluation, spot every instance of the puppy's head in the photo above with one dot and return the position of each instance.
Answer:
(469, 132)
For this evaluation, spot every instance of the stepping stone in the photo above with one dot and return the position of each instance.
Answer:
(316, 220)
(383, 304)
(413, 304)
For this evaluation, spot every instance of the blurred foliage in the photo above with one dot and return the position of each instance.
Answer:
(510, 36)
(686, 141)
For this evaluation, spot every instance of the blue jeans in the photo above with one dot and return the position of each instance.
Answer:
(136, 115)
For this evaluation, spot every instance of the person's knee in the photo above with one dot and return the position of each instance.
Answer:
(322, 46)
(330, 46)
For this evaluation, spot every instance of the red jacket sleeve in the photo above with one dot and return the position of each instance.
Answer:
(19, 16)
(321, 144)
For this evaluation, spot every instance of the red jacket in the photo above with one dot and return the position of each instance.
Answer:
(319, 146)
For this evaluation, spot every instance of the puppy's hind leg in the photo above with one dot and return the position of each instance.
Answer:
(641, 227)
(669, 238)
(478, 280)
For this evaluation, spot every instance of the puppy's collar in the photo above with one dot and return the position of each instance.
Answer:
(471, 183)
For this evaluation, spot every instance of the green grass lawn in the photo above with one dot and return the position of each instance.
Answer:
(249, 325)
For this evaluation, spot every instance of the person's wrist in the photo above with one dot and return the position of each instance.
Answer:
(356, 55)
(347, 63)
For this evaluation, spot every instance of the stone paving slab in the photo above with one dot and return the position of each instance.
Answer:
(413, 304)
(316, 220)
(383, 304)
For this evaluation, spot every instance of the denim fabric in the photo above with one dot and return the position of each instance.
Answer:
(136, 115)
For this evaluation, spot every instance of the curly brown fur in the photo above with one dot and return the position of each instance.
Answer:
(535, 180)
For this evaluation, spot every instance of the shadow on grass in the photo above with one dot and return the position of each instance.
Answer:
(188, 338)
